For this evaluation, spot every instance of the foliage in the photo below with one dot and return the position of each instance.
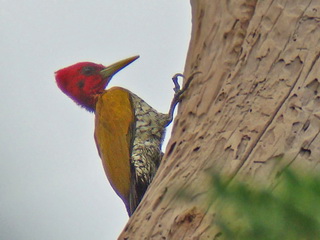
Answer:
(290, 211)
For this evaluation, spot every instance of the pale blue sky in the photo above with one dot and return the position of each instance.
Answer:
(52, 184)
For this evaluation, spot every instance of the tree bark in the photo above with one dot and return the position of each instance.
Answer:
(257, 99)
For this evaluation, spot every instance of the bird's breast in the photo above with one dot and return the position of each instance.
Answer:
(149, 133)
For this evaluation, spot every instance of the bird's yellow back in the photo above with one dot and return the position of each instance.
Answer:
(113, 134)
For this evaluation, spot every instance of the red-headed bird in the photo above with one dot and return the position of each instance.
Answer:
(128, 132)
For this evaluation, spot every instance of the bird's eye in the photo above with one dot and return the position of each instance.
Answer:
(88, 70)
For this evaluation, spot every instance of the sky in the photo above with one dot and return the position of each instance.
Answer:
(52, 183)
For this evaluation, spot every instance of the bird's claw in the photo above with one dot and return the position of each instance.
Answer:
(178, 92)
(176, 88)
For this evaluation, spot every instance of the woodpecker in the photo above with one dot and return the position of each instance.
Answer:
(128, 131)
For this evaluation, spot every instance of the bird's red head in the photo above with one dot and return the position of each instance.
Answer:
(85, 81)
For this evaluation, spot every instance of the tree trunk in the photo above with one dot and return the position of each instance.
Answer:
(257, 98)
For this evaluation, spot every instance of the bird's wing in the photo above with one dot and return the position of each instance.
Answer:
(114, 124)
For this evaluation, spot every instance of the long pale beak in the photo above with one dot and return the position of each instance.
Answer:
(111, 70)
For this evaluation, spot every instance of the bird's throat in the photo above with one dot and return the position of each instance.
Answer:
(89, 102)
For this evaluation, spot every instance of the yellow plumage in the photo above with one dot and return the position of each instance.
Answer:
(128, 134)
(113, 123)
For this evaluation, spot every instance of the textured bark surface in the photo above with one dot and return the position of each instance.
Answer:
(256, 99)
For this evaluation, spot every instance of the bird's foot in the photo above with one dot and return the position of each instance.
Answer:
(178, 92)
(177, 87)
